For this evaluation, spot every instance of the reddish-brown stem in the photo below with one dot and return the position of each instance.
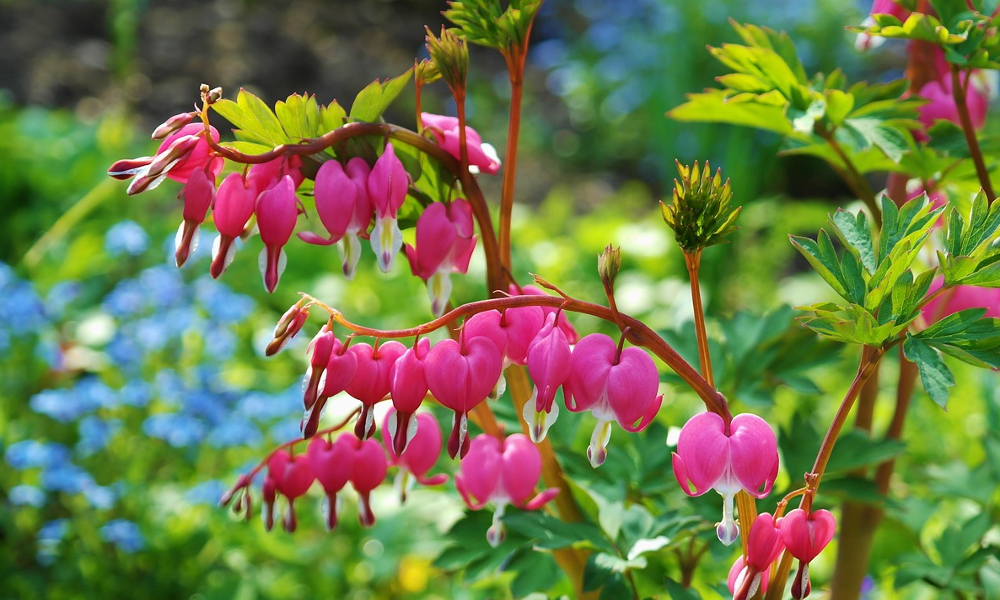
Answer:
(515, 57)
(693, 262)
(494, 274)
(463, 148)
(958, 91)
(638, 334)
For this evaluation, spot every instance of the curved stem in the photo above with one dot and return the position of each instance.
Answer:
(515, 68)
(638, 334)
(958, 90)
(851, 176)
(473, 194)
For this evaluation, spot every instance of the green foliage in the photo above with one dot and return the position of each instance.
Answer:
(972, 256)
(486, 23)
(700, 214)
(768, 89)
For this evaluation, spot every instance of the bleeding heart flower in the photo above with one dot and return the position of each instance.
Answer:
(371, 382)
(367, 473)
(361, 215)
(277, 211)
(336, 197)
(549, 366)
(503, 473)
(445, 242)
(461, 376)
(264, 176)
(482, 157)
(198, 195)
(422, 450)
(234, 204)
(387, 186)
(805, 536)
(740, 456)
(333, 463)
(292, 477)
(763, 547)
(408, 386)
(335, 377)
(613, 386)
(562, 321)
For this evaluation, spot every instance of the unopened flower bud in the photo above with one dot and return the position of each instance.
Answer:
(129, 167)
(171, 125)
(214, 95)
(288, 326)
(700, 213)
(609, 262)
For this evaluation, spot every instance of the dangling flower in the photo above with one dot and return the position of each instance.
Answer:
(503, 473)
(292, 477)
(511, 331)
(408, 386)
(277, 211)
(319, 351)
(234, 204)
(805, 535)
(461, 376)
(336, 197)
(367, 473)
(742, 456)
(264, 176)
(482, 157)
(333, 463)
(387, 186)
(422, 450)
(198, 195)
(445, 242)
(361, 216)
(613, 386)
(337, 375)
(562, 321)
(548, 365)
(371, 383)
(763, 547)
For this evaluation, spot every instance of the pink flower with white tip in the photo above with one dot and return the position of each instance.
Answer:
(264, 176)
(422, 451)
(371, 382)
(482, 157)
(805, 535)
(502, 473)
(349, 246)
(614, 385)
(277, 210)
(387, 186)
(367, 473)
(333, 463)
(408, 387)
(461, 375)
(549, 367)
(335, 377)
(740, 456)
(234, 204)
(291, 476)
(445, 241)
(336, 197)
(512, 331)
(763, 548)
(198, 195)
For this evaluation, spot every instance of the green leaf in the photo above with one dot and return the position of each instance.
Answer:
(839, 104)
(259, 120)
(333, 116)
(602, 566)
(372, 101)
(299, 117)
(856, 234)
(893, 141)
(716, 106)
(855, 449)
(822, 256)
(934, 374)
(551, 533)
(803, 121)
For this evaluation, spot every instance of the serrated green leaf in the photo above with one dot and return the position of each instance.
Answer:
(893, 141)
(803, 121)
(299, 117)
(259, 121)
(823, 258)
(856, 234)
(934, 374)
(376, 97)
(714, 106)
(333, 116)
(839, 104)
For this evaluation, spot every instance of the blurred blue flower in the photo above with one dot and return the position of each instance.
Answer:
(206, 492)
(154, 332)
(54, 530)
(61, 295)
(124, 534)
(126, 237)
(97, 392)
(26, 495)
(286, 430)
(203, 403)
(62, 405)
(6, 275)
(29, 454)
(163, 286)
(267, 407)
(99, 496)
(48, 350)
(124, 351)
(235, 432)
(22, 310)
(221, 303)
(65, 477)
(95, 433)
(178, 430)
(220, 343)
(127, 299)
(136, 392)
(169, 386)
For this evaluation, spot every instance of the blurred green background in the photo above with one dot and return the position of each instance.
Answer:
(133, 393)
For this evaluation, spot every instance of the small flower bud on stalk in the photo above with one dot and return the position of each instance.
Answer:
(450, 55)
(700, 213)
(172, 124)
(288, 326)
